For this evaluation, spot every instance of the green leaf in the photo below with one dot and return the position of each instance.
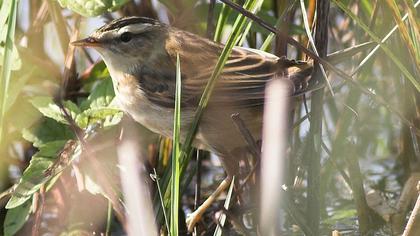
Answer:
(48, 130)
(35, 174)
(95, 115)
(16, 218)
(92, 7)
(99, 107)
(101, 96)
(99, 71)
(49, 109)
(113, 120)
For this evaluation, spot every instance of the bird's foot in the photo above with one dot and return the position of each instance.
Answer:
(193, 218)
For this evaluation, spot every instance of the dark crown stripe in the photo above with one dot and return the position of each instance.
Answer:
(119, 23)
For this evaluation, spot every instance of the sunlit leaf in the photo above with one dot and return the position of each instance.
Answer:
(92, 7)
(16, 218)
(36, 173)
(49, 109)
(101, 96)
(47, 131)
(94, 115)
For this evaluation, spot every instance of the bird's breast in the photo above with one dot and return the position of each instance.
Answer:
(134, 101)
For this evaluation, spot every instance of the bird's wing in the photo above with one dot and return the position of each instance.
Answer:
(244, 76)
(241, 83)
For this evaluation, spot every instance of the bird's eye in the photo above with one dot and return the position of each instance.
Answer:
(126, 37)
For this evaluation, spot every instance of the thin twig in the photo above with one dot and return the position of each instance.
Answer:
(414, 216)
(197, 195)
(38, 214)
(59, 23)
(315, 199)
(155, 177)
(246, 134)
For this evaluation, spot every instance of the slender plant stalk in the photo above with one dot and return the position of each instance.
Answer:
(108, 219)
(315, 130)
(312, 43)
(222, 218)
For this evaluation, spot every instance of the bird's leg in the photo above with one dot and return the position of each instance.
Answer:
(194, 217)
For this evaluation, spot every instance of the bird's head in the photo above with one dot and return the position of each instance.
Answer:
(127, 40)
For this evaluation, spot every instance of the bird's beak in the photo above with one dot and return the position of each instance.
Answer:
(87, 42)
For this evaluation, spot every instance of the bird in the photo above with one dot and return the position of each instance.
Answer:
(141, 55)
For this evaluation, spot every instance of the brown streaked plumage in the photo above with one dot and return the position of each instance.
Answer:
(140, 54)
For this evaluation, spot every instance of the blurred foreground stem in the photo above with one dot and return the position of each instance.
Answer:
(315, 130)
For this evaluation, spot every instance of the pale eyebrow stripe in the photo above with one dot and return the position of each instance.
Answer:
(134, 28)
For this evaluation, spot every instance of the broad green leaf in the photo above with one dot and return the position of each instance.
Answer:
(92, 7)
(113, 120)
(101, 96)
(16, 218)
(35, 174)
(95, 115)
(49, 109)
(95, 75)
(48, 130)
(99, 71)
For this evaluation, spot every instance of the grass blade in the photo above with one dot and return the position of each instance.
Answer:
(387, 36)
(222, 219)
(404, 32)
(270, 37)
(380, 43)
(176, 153)
(221, 21)
(7, 61)
(312, 43)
